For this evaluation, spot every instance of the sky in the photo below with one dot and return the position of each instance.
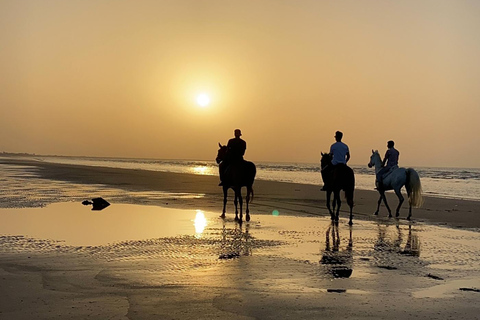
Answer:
(120, 78)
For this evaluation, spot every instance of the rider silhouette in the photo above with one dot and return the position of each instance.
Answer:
(235, 151)
(390, 159)
(340, 156)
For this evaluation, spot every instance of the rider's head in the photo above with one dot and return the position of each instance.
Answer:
(390, 144)
(338, 136)
(237, 133)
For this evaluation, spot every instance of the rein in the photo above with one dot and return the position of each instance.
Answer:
(322, 169)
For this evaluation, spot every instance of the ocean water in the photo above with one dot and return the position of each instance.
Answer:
(458, 183)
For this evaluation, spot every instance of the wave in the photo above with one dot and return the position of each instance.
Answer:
(461, 183)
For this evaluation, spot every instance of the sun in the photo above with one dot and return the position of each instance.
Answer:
(203, 100)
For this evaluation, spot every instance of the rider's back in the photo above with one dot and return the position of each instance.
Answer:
(339, 152)
(236, 149)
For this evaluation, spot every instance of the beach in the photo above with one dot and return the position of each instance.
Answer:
(287, 262)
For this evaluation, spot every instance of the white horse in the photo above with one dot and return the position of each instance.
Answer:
(395, 181)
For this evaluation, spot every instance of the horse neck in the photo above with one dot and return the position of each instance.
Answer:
(378, 164)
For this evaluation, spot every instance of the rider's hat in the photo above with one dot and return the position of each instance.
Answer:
(238, 132)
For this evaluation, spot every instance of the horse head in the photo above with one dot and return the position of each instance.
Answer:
(374, 159)
(221, 153)
(326, 160)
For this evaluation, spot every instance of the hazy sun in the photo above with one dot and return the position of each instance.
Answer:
(203, 100)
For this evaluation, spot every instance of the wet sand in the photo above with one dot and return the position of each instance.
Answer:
(155, 261)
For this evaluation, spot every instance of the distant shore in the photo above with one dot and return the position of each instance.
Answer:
(287, 198)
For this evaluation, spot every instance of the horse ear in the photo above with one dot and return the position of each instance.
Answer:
(321, 153)
(219, 144)
(373, 151)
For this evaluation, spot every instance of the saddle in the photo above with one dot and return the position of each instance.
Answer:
(387, 173)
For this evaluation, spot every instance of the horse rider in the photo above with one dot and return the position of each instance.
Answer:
(389, 161)
(235, 151)
(340, 156)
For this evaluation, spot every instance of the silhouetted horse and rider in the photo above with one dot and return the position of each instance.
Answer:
(337, 176)
(391, 177)
(236, 173)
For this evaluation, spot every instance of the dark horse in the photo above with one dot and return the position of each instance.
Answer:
(236, 176)
(336, 179)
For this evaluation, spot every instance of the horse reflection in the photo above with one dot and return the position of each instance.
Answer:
(390, 246)
(235, 242)
(338, 262)
(412, 246)
(386, 243)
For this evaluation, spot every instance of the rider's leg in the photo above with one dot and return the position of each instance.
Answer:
(379, 180)
(327, 174)
(222, 168)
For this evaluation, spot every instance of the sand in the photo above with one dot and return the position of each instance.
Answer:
(270, 268)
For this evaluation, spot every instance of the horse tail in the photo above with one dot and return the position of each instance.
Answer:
(250, 191)
(414, 188)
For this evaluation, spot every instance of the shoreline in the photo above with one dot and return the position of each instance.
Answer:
(287, 198)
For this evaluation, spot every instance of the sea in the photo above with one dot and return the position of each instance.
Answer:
(456, 183)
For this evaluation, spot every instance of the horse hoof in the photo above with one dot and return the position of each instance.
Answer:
(375, 214)
(350, 223)
(247, 218)
(222, 216)
(409, 218)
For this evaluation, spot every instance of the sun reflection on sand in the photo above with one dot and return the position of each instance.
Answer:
(200, 223)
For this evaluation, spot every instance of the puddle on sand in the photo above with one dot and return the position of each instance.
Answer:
(368, 250)
(448, 289)
(76, 225)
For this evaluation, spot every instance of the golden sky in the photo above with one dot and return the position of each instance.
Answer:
(120, 78)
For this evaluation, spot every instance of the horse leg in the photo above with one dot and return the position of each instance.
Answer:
(378, 205)
(336, 199)
(247, 200)
(410, 205)
(398, 192)
(386, 204)
(236, 204)
(350, 204)
(329, 194)
(225, 191)
(350, 222)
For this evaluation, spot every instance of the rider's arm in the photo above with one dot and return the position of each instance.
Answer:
(385, 159)
(348, 157)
